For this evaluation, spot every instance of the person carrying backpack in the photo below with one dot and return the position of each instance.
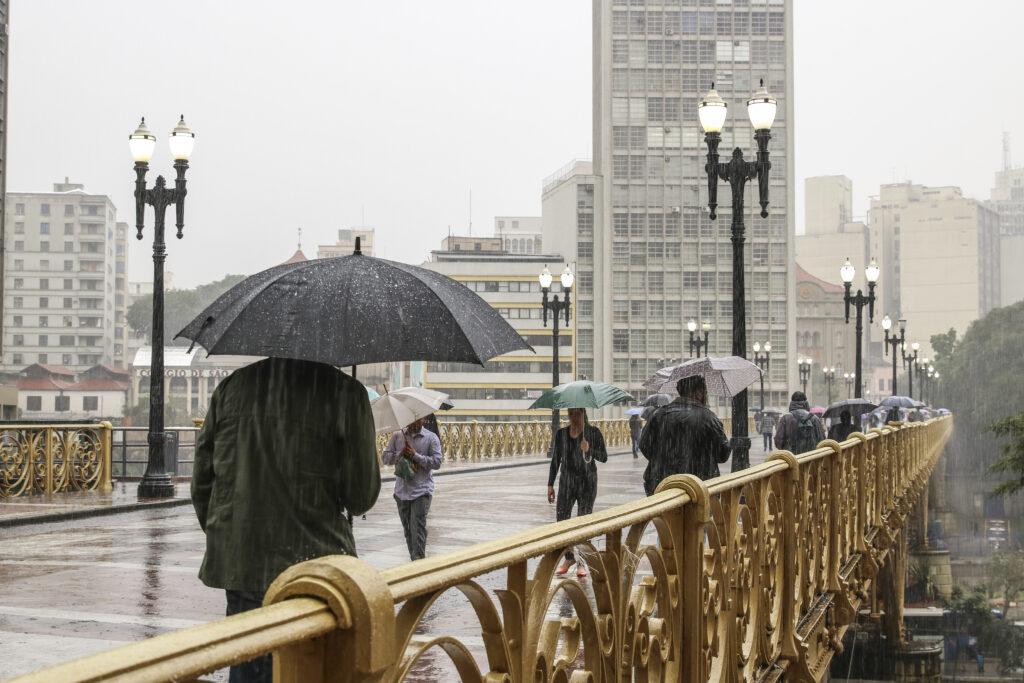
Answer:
(799, 431)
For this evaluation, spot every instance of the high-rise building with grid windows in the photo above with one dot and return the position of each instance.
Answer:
(657, 259)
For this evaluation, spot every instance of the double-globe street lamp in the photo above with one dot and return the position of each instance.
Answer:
(557, 307)
(804, 366)
(895, 342)
(909, 360)
(712, 112)
(763, 361)
(859, 300)
(849, 377)
(156, 481)
(695, 341)
(830, 375)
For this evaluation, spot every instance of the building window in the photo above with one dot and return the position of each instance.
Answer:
(17, 320)
(44, 209)
(44, 283)
(69, 210)
(16, 359)
(19, 245)
(620, 341)
(69, 284)
(69, 228)
(44, 245)
(44, 358)
(91, 403)
(44, 228)
(19, 228)
(44, 321)
(19, 209)
(44, 340)
(69, 266)
(19, 283)
(62, 404)
(34, 403)
(67, 340)
(19, 340)
(44, 302)
(19, 302)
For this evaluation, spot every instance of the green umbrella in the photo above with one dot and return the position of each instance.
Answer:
(581, 394)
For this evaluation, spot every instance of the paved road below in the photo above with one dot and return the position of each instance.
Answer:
(77, 587)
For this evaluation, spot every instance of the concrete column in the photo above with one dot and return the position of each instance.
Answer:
(188, 394)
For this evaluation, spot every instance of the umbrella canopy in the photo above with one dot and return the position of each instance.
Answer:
(353, 310)
(657, 400)
(398, 409)
(372, 394)
(581, 394)
(818, 410)
(898, 402)
(856, 406)
(767, 411)
(725, 376)
(635, 411)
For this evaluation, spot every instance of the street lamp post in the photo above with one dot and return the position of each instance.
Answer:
(156, 481)
(695, 341)
(830, 375)
(763, 361)
(712, 112)
(909, 361)
(849, 377)
(895, 342)
(804, 365)
(859, 300)
(557, 308)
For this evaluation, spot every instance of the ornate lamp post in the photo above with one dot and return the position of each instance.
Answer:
(830, 375)
(156, 482)
(712, 112)
(859, 300)
(804, 365)
(909, 361)
(895, 342)
(697, 342)
(557, 308)
(849, 377)
(763, 361)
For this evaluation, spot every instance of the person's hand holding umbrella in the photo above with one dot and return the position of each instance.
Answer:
(551, 494)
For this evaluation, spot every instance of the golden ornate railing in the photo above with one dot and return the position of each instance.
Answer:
(753, 576)
(475, 441)
(54, 458)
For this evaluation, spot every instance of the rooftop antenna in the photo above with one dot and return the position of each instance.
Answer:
(471, 212)
(1006, 151)
(300, 239)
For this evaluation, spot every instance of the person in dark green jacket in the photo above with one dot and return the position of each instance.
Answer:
(286, 454)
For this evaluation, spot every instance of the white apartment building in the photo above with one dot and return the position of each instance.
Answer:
(1007, 199)
(65, 289)
(520, 234)
(508, 384)
(655, 259)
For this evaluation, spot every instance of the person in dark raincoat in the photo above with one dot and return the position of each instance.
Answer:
(799, 431)
(684, 437)
(841, 430)
(286, 454)
(577, 450)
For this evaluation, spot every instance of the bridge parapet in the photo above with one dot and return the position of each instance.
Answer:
(750, 576)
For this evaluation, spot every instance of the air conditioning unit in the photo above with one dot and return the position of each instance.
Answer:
(669, 32)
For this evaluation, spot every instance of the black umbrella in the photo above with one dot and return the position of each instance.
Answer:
(856, 406)
(657, 400)
(353, 310)
(898, 402)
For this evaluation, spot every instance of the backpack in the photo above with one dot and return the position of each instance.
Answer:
(806, 437)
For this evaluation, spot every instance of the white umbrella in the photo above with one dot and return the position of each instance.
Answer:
(398, 409)
(725, 376)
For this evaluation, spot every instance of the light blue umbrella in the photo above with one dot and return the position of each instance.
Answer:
(373, 395)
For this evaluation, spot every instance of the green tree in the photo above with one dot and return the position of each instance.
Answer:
(1012, 461)
(180, 307)
(1006, 575)
(943, 345)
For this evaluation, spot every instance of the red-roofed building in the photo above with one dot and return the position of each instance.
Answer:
(48, 392)
(297, 257)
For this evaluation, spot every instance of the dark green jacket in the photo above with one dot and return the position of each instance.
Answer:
(287, 448)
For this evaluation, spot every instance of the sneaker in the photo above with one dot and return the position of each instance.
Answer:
(564, 569)
(581, 572)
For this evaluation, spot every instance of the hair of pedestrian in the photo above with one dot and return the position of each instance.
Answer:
(690, 387)
(798, 396)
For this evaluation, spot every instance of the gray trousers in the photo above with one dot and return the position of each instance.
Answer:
(413, 514)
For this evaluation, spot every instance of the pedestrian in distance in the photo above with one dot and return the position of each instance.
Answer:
(577, 449)
(636, 427)
(684, 437)
(767, 429)
(799, 430)
(415, 452)
(286, 454)
(841, 430)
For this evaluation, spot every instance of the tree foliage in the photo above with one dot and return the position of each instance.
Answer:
(180, 307)
(175, 413)
(1011, 463)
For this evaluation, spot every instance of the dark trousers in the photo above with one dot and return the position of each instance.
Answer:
(581, 496)
(260, 669)
(636, 445)
(413, 514)
(767, 441)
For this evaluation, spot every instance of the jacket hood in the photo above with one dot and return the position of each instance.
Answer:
(799, 405)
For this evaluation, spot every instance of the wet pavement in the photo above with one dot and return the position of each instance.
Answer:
(75, 587)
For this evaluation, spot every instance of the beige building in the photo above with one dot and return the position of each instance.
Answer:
(1011, 269)
(508, 384)
(65, 290)
(828, 204)
(948, 264)
(520, 234)
(346, 243)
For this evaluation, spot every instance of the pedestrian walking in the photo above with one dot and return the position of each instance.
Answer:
(767, 429)
(285, 455)
(684, 437)
(636, 427)
(416, 453)
(799, 431)
(578, 448)
(841, 430)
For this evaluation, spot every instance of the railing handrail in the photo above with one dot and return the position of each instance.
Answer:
(206, 647)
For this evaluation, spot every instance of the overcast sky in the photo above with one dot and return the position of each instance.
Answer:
(330, 114)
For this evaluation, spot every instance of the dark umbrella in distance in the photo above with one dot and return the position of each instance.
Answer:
(856, 406)
(657, 400)
(898, 402)
(353, 310)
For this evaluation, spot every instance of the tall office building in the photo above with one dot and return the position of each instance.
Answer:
(658, 260)
(65, 282)
(1007, 199)
(828, 203)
